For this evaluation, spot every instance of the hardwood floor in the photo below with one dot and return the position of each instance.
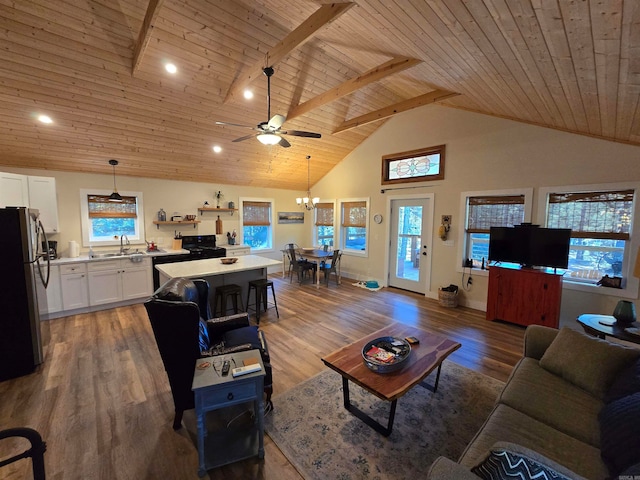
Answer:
(102, 401)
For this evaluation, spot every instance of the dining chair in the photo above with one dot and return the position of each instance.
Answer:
(327, 268)
(301, 266)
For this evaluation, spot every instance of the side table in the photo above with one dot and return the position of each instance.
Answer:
(602, 325)
(215, 392)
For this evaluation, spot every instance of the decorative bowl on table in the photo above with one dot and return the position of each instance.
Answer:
(386, 354)
(229, 260)
(308, 249)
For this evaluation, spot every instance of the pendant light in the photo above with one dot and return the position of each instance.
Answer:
(309, 203)
(115, 196)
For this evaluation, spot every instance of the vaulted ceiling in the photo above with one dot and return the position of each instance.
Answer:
(97, 69)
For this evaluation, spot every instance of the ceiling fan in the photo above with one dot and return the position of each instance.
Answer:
(270, 133)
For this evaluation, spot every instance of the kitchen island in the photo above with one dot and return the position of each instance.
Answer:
(248, 267)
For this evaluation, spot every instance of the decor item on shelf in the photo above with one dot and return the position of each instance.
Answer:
(219, 196)
(309, 203)
(232, 205)
(189, 218)
(115, 196)
(625, 312)
(218, 226)
(269, 131)
(162, 215)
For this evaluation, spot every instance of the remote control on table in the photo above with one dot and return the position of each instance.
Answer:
(225, 368)
(246, 369)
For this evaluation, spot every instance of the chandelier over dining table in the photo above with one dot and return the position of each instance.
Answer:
(308, 202)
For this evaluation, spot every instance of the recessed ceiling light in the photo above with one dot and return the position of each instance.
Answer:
(217, 148)
(171, 68)
(248, 94)
(45, 119)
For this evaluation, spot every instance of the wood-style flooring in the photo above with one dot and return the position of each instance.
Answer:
(102, 401)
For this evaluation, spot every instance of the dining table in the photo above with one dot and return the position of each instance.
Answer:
(317, 254)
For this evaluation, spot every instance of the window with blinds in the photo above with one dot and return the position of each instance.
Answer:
(354, 214)
(256, 224)
(489, 211)
(101, 207)
(324, 231)
(256, 213)
(603, 215)
(353, 227)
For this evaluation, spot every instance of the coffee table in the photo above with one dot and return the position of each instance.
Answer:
(602, 325)
(425, 357)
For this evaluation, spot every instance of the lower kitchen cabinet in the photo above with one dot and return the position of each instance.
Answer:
(74, 286)
(113, 281)
(54, 290)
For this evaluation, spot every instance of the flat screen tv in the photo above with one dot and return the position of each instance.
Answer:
(530, 246)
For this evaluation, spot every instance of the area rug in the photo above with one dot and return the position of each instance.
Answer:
(323, 441)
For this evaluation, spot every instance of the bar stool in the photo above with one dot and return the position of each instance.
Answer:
(223, 293)
(261, 295)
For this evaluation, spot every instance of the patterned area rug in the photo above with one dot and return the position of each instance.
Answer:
(324, 441)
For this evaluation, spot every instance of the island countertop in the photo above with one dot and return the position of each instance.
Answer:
(213, 266)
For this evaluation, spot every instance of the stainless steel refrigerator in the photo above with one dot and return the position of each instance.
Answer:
(24, 275)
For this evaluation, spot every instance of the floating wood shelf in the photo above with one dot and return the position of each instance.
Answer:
(181, 222)
(214, 209)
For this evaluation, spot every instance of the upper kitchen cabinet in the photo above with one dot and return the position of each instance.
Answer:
(42, 195)
(34, 192)
(14, 190)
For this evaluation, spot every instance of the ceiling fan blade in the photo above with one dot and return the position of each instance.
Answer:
(298, 133)
(283, 142)
(246, 137)
(235, 125)
(276, 121)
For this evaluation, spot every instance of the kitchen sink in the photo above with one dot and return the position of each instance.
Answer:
(117, 254)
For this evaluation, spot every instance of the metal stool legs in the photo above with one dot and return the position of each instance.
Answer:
(261, 293)
(36, 452)
(223, 293)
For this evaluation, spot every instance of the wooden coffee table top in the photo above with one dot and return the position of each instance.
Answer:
(425, 357)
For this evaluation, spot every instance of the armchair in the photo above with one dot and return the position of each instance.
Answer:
(179, 315)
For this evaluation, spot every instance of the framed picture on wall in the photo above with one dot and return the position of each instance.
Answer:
(290, 217)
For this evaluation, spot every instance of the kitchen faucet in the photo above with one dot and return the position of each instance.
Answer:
(124, 249)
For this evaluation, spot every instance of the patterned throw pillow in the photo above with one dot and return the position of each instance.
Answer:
(502, 464)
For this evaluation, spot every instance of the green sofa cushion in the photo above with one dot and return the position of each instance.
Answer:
(553, 400)
(587, 362)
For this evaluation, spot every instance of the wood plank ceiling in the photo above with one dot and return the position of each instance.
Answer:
(96, 67)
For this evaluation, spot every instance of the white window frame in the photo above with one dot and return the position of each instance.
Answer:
(271, 201)
(341, 233)
(316, 240)
(631, 284)
(463, 237)
(86, 222)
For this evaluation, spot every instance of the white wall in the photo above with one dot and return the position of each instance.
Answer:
(482, 153)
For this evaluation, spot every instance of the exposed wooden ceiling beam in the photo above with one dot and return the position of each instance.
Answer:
(321, 17)
(145, 33)
(427, 98)
(394, 65)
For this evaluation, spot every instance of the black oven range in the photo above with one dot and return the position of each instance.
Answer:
(199, 247)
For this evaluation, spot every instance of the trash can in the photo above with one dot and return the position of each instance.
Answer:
(448, 296)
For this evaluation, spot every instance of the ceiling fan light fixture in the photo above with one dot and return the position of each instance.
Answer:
(268, 138)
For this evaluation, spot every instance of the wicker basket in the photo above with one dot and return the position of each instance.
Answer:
(447, 299)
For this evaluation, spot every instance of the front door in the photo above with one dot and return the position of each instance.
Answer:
(409, 246)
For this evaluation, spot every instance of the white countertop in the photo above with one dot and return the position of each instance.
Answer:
(85, 257)
(213, 266)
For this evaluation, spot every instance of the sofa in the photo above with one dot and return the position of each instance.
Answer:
(570, 409)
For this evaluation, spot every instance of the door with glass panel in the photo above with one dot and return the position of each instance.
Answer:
(409, 246)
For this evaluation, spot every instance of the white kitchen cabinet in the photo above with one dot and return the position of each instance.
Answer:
(237, 250)
(14, 190)
(54, 290)
(42, 195)
(116, 280)
(74, 286)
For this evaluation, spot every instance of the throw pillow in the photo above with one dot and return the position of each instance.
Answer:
(626, 383)
(587, 362)
(502, 462)
(619, 439)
